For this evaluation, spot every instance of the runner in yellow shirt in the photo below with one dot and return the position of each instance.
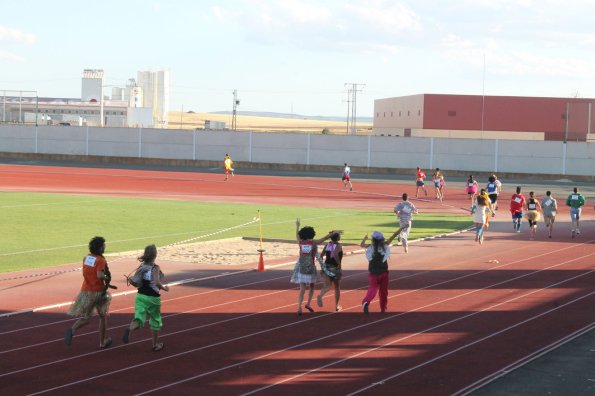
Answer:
(228, 165)
(484, 193)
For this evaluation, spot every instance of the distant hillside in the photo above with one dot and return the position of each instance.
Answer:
(266, 123)
(292, 116)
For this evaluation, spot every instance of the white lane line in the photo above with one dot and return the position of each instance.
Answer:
(291, 324)
(433, 328)
(524, 361)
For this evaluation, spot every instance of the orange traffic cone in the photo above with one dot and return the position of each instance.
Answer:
(260, 261)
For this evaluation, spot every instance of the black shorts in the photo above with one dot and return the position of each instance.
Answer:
(493, 198)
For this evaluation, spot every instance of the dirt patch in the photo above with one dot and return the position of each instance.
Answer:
(231, 251)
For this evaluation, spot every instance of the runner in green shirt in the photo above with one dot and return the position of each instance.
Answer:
(575, 201)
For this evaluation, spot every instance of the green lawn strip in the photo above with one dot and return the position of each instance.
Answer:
(41, 230)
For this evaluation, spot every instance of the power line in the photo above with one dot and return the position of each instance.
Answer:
(234, 117)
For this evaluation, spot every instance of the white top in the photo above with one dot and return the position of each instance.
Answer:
(480, 214)
(370, 252)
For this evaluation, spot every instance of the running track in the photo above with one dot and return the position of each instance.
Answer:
(458, 315)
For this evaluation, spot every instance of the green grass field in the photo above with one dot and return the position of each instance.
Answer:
(41, 230)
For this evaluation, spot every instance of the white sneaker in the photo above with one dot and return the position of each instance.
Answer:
(578, 232)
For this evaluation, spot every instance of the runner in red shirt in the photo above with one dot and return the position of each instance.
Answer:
(420, 175)
(517, 204)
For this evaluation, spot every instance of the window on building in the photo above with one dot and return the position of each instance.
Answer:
(452, 113)
(377, 114)
(391, 113)
(384, 114)
(408, 113)
(418, 112)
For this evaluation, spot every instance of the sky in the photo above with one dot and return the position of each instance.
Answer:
(295, 56)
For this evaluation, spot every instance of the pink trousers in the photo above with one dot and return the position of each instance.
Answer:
(378, 284)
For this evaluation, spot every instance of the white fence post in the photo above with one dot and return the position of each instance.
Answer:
(564, 148)
(194, 145)
(36, 137)
(369, 151)
(308, 152)
(87, 142)
(140, 142)
(250, 147)
(496, 154)
(431, 153)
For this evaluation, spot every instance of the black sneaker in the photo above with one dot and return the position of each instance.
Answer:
(68, 336)
(365, 307)
(126, 336)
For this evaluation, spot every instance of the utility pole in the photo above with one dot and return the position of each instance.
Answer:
(348, 109)
(352, 98)
(236, 103)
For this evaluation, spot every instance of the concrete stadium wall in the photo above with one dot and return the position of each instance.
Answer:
(382, 153)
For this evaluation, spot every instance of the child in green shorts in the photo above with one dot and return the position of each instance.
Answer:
(148, 298)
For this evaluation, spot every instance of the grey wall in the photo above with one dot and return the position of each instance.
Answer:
(506, 156)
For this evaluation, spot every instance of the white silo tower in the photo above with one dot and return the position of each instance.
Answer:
(92, 85)
(135, 97)
(155, 91)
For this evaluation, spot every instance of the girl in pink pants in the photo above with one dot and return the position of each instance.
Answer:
(378, 253)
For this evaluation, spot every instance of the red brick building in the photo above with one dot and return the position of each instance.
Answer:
(489, 117)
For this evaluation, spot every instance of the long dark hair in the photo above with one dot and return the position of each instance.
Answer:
(149, 255)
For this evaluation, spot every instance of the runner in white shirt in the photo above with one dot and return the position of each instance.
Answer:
(549, 206)
(347, 177)
(404, 211)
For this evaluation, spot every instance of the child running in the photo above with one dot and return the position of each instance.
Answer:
(346, 178)
(533, 215)
(438, 181)
(331, 269)
(480, 213)
(471, 188)
(377, 253)
(549, 205)
(420, 175)
(483, 193)
(93, 294)
(575, 201)
(404, 211)
(494, 187)
(228, 165)
(148, 298)
(304, 272)
(517, 204)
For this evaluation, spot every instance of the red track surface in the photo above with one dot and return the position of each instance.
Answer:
(456, 317)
